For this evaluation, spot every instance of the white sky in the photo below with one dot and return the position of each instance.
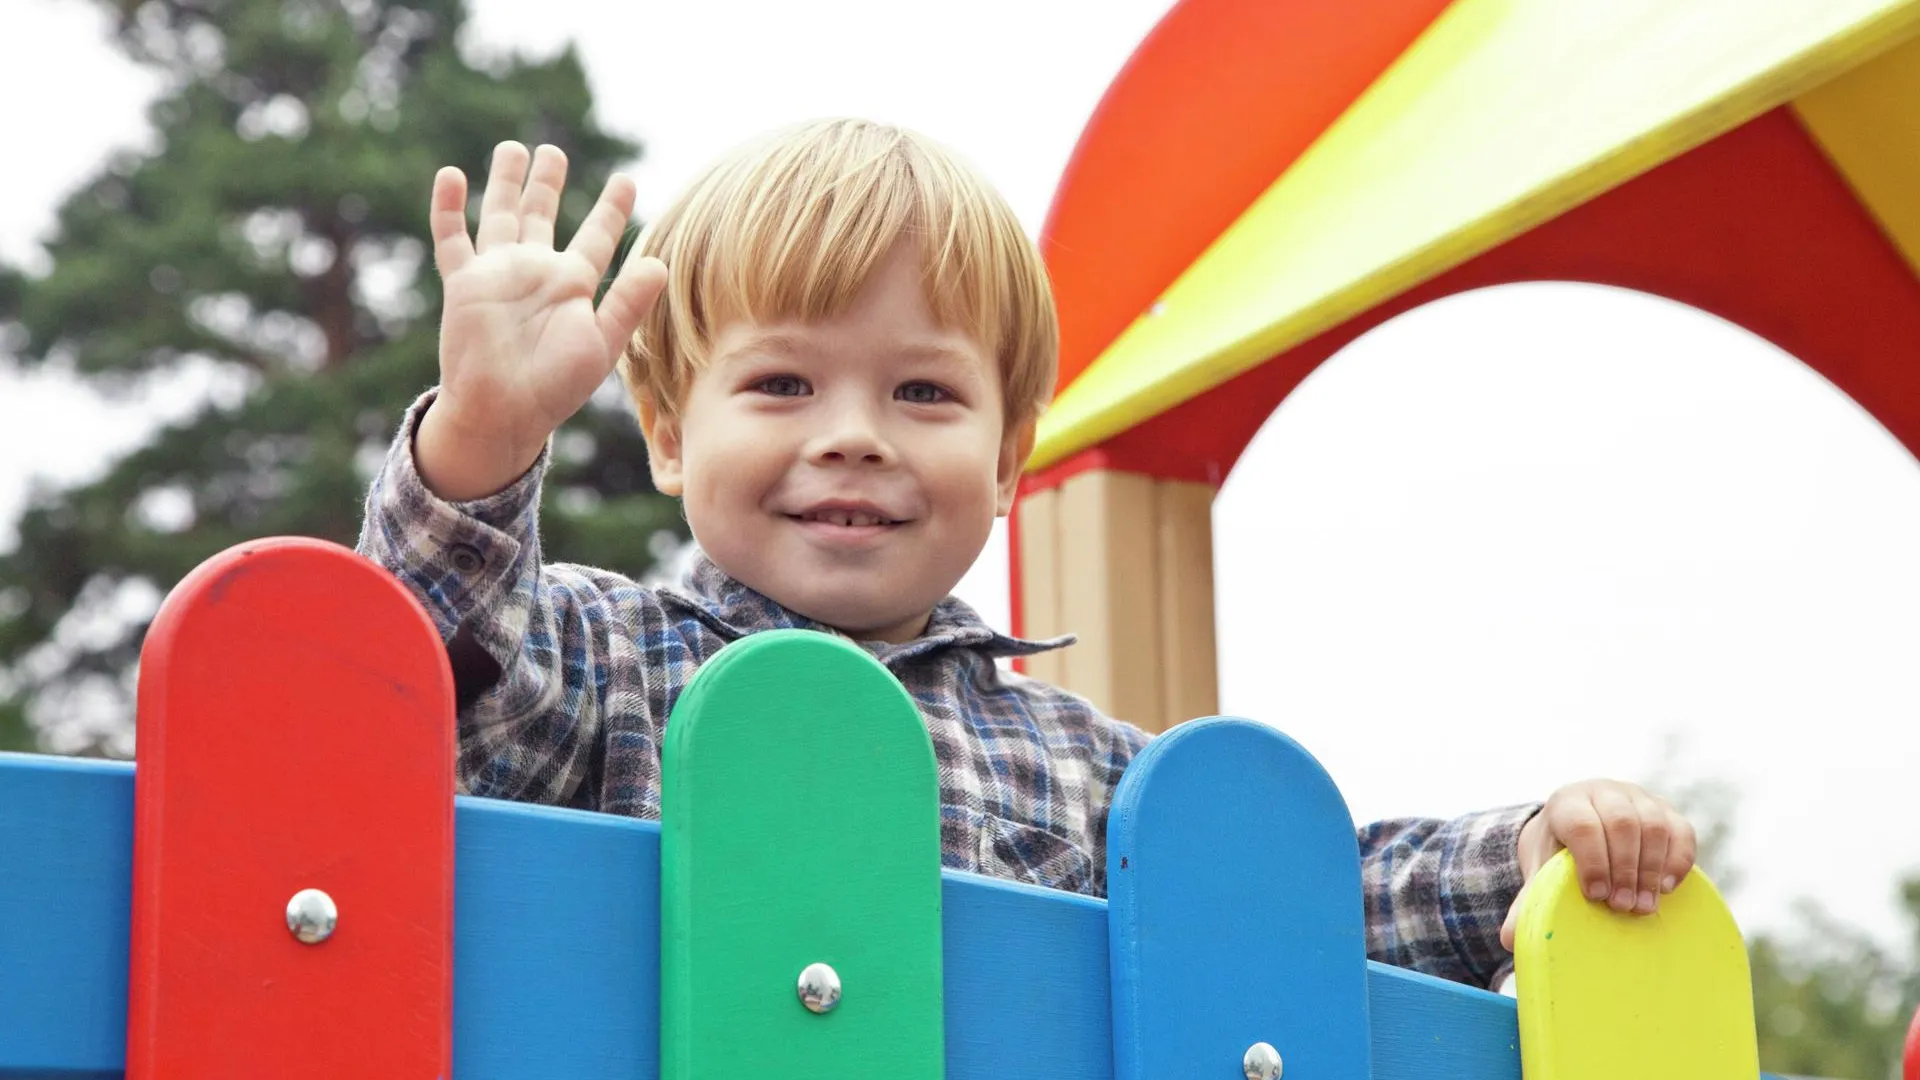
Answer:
(1504, 542)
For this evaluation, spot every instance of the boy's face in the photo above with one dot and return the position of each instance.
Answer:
(850, 469)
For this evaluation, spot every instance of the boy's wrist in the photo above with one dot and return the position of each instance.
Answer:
(461, 464)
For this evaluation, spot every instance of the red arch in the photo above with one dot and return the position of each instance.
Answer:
(1218, 100)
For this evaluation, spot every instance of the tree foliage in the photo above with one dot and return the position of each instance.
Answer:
(271, 246)
(1833, 1001)
(1829, 999)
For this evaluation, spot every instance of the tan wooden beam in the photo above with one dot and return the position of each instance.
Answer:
(1124, 561)
(1039, 534)
(1191, 680)
(1109, 592)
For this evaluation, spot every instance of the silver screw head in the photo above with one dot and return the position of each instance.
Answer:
(311, 916)
(1262, 1062)
(819, 988)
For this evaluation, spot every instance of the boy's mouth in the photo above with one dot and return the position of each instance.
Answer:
(847, 517)
(859, 519)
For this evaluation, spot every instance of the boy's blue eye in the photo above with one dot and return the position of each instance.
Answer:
(782, 386)
(922, 393)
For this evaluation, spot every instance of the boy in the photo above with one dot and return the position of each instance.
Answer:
(838, 342)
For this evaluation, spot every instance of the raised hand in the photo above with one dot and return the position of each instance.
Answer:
(522, 346)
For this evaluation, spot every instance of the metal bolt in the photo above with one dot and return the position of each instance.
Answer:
(1262, 1062)
(311, 916)
(819, 988)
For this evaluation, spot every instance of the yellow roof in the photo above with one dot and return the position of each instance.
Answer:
(1502, 115)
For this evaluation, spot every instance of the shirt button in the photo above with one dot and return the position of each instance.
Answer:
(466, 558)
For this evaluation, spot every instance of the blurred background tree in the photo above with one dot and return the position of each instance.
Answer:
(15, 733)
(269, 249)
(1829, 1000)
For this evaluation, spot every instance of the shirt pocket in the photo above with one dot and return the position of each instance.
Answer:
(1030, 854)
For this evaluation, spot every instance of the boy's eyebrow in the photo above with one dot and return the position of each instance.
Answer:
(771, 341)
(929, 350)
(780, 341)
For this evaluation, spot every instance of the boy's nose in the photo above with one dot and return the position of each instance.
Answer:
(851, 440)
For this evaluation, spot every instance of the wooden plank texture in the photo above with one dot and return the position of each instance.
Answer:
(1430, 1029)
(1109, 593)
(1183, 566)
(1040, 615)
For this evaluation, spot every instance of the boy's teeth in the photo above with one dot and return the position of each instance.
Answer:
(846, 518)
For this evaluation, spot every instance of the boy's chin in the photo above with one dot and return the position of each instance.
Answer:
(862, 610)
(865, 603)
(869, 622)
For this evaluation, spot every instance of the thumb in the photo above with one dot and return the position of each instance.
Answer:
(1510, 929)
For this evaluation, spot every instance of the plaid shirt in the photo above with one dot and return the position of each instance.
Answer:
(568, 674)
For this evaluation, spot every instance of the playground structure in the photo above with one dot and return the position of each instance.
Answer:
(290, 890)
(1265, 182)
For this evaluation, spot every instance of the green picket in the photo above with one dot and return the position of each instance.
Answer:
(799, 825)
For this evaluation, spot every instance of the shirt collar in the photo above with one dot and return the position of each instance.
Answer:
(735, 610)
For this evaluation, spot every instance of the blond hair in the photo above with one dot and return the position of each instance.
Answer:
(793, 225)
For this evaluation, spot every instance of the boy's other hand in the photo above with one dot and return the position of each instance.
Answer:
(1630, 847)
(522, 347)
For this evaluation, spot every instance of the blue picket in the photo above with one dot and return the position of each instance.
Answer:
(1233, 876)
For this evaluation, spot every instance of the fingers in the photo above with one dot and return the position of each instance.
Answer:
(1656, 833)
(1621, 823)
(1577, 825)
(1629, 847)
(500, 206)
(540, 202)
(599, 235)
(447, 218)
(1510, 929)
(628, 299)
(1682, 849)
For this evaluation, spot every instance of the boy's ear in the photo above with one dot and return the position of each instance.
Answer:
(662, 432)
(1015, 448)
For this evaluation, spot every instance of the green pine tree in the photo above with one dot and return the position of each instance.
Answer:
(273, 244)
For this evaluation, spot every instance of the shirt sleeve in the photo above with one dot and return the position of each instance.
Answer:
(526, 640)
(1438, 891)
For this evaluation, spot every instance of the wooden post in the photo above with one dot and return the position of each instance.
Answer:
(1125, 561)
